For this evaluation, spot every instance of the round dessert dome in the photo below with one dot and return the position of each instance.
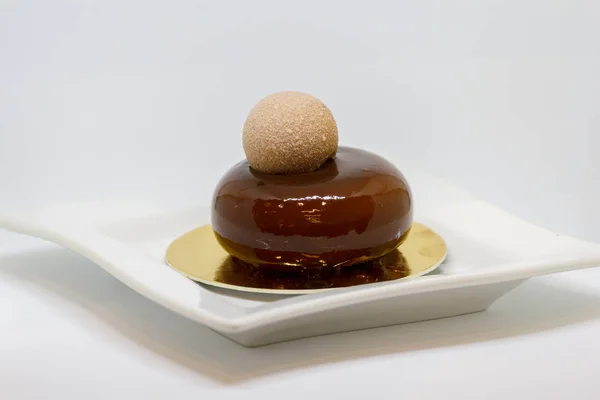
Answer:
(284, 209)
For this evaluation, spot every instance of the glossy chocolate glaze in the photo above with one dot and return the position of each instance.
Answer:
(354, 208)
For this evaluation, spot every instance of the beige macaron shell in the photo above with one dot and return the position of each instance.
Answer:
(289, 132)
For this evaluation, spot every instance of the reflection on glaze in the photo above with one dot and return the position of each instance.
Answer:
(354, 208)
(390, 267)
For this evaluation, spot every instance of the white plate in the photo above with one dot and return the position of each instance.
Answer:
(489, 253)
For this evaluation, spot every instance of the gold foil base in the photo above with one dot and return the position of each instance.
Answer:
(198, 255)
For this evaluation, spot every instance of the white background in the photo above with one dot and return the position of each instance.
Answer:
(500, 97)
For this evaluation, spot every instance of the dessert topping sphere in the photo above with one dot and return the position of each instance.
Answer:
(289, 132)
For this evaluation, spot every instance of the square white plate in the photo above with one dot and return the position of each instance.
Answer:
(489, 253)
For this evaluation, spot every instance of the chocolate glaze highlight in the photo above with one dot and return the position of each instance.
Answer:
(354, 208)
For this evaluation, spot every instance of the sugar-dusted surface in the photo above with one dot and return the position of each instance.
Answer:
(289, 132)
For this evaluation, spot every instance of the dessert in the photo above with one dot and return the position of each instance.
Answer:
(299, 202)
